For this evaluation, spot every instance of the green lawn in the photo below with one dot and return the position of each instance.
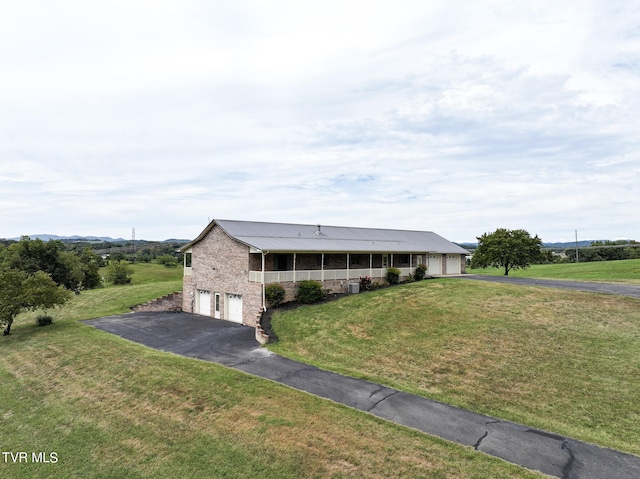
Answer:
(563, 361)
(110, 408)
(151, 273)
(622, 271)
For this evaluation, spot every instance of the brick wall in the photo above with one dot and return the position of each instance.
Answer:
(169, 302)
(220, 264)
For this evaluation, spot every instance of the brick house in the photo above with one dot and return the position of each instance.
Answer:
(228, 265)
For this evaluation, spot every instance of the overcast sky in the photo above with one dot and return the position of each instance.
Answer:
(454, 117)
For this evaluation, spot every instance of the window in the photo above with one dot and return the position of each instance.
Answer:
(187, 260)
(283, 262)
(359, 260)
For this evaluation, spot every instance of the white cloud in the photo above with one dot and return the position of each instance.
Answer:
(162, 115)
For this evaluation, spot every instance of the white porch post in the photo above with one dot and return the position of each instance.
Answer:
(294, 267)
(322, 267)
(371, 265)
(347, 266)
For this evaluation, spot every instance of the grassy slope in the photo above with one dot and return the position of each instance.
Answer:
(110, 408)
(563, 361)
(623, 271)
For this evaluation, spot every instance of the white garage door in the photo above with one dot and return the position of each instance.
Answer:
(234, 307)
(435, 264)
(453, 264)
(204, 302)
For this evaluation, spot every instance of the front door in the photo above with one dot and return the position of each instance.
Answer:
(216, 309)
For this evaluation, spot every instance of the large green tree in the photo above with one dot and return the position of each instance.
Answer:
(21, 292)
(118, 272)
(66, 268)
(508, 249)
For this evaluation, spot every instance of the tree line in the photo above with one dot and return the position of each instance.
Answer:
(603, 251)
(138, 251)
(68, 268)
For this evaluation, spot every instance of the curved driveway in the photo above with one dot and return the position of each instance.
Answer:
(630, 290)
(234, 345)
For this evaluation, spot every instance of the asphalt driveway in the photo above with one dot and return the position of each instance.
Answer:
(234, 345)
(630, 290)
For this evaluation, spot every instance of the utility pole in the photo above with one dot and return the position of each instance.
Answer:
(133, 242)
(576, 246)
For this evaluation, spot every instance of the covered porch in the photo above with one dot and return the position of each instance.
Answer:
(293, 267)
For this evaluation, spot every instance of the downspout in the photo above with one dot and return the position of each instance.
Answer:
(264, 293)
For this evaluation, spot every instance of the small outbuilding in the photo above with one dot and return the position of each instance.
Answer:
(227, 267)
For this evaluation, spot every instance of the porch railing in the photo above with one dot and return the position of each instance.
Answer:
(320, 275)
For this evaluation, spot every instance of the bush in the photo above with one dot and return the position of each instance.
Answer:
(393, 275)
(119, 272)
(366, 283)
(167, 260)
(421, 272)
(310, 291)
(44, 320)
(274, 294)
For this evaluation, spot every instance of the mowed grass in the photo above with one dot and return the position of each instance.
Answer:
(148, 281)
(562, 361)
(622, 271)
(151, 273)
(110, 408)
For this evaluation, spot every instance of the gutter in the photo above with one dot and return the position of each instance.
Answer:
(264, 293)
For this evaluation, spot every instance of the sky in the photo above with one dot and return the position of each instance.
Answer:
(453, 117)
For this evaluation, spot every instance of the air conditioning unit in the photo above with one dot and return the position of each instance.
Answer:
(354, 288)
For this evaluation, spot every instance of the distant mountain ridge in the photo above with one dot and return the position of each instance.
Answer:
(48, 237)
(569, 244)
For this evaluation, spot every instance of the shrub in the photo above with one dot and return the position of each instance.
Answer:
(393, 275)
(274, 294)
(421, 272)
(310, 291)
(366, 283)
(167, 260)
(44, 320)
(119, 272)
